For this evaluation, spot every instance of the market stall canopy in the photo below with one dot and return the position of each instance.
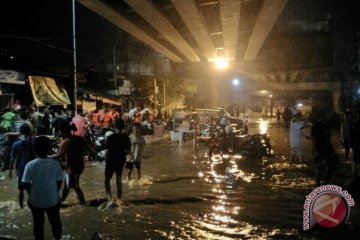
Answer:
(45, 91)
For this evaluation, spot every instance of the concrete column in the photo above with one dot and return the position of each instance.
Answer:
(336, 100)
(221, 93)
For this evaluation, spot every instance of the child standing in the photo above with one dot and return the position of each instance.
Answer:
(137, 147)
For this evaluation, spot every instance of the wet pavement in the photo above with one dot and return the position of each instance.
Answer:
(185, 195)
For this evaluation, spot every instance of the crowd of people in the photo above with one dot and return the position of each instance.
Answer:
(45, 122)
(43, 173)
(323, 151)
(32, 158)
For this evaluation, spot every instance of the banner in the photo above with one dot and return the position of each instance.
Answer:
(11, 77)
(46, 92)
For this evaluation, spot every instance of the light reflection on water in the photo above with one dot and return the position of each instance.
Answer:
(208, 227)
(263, 126)
(183, 195)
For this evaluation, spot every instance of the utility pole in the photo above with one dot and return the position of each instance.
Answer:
(155, 89)
(358, 48)
(74, 56)
(114, 68)
(164, 95)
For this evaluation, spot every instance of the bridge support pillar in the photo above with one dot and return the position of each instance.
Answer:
(336, 100)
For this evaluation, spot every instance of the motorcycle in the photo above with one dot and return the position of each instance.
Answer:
(217, 143)
(222, 140)
(203, 135)
(256, 145)
(96, 138)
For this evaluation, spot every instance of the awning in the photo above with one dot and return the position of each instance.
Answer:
(109, 101)
(99, 96)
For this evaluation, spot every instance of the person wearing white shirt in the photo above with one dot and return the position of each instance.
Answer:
(42, 179)
(296, 126)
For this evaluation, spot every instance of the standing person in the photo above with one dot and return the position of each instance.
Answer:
(21, 154)
(36, 117)
(71, 153)
(345, 133)
(6, 120)
(355, 143)
(106, 122)
(46, 121)
(127, 119)
(16, 106)
(118, 146)
(56, 121)
(135, 115)
(81, 124)
(137, 147)
(101, 116)
(115, 115)
(42, 178)
(324, 154)
(286, 116)
(296, 126)
(278, 116)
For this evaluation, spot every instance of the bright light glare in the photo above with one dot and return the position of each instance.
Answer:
(221, 63)
(263, 126)
(236, 82)
(300, 105)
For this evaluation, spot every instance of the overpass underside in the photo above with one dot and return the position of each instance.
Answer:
(282, 47)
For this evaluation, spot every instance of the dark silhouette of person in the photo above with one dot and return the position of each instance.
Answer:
(324, 153)
(71, 153)
(118, 147)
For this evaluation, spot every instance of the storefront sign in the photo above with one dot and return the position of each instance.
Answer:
(11, 77)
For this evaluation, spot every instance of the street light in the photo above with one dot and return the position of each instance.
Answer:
(358, 91)
(235, 82)
(221, 63)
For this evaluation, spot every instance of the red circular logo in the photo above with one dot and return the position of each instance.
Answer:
(329, 210)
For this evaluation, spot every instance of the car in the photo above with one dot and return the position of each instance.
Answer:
(203, 114)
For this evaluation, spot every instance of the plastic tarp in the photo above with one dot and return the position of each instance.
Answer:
(45, 91)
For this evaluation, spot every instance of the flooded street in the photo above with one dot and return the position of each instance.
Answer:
(185, 195)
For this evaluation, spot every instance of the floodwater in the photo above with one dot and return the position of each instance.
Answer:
(185, 195)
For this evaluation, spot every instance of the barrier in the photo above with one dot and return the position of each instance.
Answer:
(177, 136)
(174, 136)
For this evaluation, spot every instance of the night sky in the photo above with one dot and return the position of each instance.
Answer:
(36, 36)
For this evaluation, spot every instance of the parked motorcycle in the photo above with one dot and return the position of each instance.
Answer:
(256, 145)
(228, 139)
(96, 138)
(222, 139)
(216, 144)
